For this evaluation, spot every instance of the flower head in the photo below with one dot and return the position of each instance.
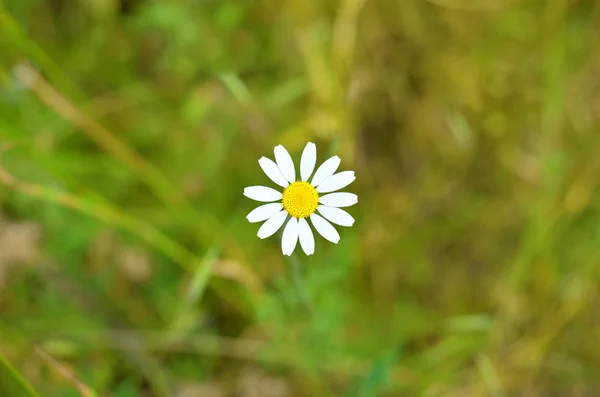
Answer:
(301, 200)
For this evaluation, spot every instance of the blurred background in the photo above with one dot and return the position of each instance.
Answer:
(129, 128)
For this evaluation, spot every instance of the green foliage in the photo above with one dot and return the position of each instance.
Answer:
(129, 128)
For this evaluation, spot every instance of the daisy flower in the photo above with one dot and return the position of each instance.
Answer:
(301, 200)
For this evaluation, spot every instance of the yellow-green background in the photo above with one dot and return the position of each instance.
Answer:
(129, 128)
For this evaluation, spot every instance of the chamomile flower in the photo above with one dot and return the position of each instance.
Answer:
(302, 199)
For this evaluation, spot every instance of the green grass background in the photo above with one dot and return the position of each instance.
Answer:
(129, 128)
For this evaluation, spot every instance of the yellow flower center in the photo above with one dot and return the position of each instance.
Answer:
(300, 199)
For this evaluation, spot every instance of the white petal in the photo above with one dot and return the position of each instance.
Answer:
(336, 182)
(272, 171)
(325, 228)
(285, 163)
(326, 170)
(308, 160)
(272, 225)
(307, 240)
(262, 193)
(290, 237)
(336, 215)
(339, 199)
(264, 212)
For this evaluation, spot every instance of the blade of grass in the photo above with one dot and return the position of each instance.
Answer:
(344, 37)
(12, 382)
(237, 87)
(489, 375)
(83, 389)
(184, 314)
(11, 30)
